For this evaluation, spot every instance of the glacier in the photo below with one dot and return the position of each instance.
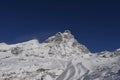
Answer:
(60, 57)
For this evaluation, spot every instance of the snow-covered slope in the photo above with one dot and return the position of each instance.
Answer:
(60, 57)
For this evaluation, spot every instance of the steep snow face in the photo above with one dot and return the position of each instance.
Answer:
(60, 57)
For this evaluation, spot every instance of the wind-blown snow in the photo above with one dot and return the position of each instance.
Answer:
(60, 57)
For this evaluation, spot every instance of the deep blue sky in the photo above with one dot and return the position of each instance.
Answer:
(95, 23)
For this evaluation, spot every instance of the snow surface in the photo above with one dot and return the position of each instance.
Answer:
(60, 57)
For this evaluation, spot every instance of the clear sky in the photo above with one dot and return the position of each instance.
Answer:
(94, 23)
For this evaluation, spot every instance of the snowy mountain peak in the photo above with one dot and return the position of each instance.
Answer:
(67, 31)
(60, 37)
(66, 41)
(63, 38)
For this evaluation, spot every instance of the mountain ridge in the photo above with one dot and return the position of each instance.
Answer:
(60, 57)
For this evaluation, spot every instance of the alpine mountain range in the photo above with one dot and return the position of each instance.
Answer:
(60, 57)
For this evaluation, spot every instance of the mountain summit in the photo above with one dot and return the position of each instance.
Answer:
(65, 44)
(60, 57)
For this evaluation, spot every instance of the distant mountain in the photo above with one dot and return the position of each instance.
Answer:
(60, 57)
